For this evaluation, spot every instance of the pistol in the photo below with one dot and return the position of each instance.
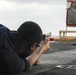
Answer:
(46, 36)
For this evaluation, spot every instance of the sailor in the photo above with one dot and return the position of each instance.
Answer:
(20, 49)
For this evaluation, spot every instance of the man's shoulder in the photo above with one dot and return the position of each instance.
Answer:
(3, 28)
(4, 31)
(6, 37)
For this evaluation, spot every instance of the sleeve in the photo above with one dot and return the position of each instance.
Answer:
(27, 65)
(14, 63)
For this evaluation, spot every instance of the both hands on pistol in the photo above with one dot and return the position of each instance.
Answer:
(45, 36)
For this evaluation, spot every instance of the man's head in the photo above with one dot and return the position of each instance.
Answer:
(31, 33)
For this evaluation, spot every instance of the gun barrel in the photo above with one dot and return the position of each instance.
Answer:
(46, 36)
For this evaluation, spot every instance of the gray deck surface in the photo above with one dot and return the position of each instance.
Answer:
(59, 53)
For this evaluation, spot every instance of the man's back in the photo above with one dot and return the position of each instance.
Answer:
(10, 62)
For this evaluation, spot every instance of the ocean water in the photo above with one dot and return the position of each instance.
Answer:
(54, 36)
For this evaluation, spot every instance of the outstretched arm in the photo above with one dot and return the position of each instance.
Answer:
(44, 46)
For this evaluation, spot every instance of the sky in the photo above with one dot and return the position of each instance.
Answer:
(49, 14)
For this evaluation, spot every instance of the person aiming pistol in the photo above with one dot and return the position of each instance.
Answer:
(21, 49)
